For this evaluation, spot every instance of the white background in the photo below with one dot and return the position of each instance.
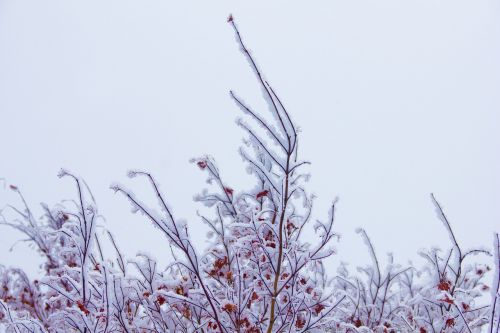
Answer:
(395, 99)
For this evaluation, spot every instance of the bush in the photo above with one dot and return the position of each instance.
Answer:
(258, 274)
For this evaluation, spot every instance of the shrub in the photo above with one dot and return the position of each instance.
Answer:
(258, 274)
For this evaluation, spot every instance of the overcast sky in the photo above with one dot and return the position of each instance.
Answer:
(395, 98)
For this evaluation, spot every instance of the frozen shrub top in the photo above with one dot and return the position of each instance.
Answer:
(258, 274)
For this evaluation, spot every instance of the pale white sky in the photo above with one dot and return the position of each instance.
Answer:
(395, 98)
